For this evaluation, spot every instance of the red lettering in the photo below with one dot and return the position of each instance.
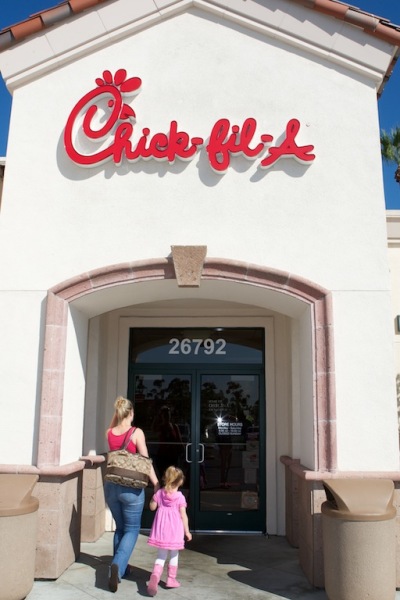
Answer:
(289, 147)
(176, 144)
(141, 151)
(217, 148)
(70, 132)
(221, 145)
(122, 142)
(180, 144)
(225, 140)
(246, 136)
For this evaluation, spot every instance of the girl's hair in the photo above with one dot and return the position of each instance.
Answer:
(173, 478)
(123, 407)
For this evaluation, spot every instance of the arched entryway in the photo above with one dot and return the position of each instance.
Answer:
(102, 283)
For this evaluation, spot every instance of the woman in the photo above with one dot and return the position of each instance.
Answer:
(126, 504)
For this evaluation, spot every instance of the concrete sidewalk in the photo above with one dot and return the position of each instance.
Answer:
(213, 567)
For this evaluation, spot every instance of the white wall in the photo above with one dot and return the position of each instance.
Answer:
(325, 222)
(292, 214)
(20, 373)
(393, 223)
(366, 411)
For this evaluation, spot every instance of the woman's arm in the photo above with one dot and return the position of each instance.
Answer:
(185, 520)
(154, 479)
(140, 442)
(153, 504)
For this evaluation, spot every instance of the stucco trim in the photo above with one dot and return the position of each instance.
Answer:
(318, 298)
(368, 22)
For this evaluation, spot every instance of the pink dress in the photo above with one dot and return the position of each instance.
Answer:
(167, 530)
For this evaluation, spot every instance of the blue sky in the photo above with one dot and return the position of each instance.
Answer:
(13, 11)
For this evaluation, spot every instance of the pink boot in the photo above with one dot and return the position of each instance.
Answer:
(154, 579)
(171, 581)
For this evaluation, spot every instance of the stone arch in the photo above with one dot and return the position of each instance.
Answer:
(59, 297)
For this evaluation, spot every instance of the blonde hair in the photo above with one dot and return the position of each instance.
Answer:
(173, 478)
(123, 407)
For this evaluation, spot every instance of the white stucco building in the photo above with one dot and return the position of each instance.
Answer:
(226, 193)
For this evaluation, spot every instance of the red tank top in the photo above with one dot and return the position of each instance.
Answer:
(116, 441)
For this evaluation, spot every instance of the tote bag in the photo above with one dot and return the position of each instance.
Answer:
(127, 469)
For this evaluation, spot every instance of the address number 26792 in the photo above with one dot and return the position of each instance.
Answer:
(196, 346)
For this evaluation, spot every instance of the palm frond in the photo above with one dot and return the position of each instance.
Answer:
(390, 145)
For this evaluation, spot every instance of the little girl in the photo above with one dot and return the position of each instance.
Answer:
(170, 527)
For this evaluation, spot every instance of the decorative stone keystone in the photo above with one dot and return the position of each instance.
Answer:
(188, 264)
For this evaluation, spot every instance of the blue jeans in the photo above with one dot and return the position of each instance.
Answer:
(126, 505)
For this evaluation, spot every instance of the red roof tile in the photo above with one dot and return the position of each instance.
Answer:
(44, 19)
(371, 24)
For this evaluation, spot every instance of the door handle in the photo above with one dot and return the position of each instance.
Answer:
(187, 453)
(201, 460)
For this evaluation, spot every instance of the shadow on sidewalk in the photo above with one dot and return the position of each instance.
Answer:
(100, 564)
(266, 563)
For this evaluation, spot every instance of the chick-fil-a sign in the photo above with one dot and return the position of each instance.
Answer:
(116, 128)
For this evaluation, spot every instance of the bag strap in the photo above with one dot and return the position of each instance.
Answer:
(126, 443)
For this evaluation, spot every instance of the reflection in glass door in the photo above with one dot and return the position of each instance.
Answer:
(163, 404)
(229, 464)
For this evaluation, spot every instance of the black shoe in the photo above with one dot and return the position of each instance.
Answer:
(128, 572)
(114, 580)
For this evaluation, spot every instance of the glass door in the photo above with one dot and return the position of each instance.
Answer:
(205, 417)
(163, 409)
(230, 489)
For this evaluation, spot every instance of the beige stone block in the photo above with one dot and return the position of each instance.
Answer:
(45, 566)
(93, 526)
(71, 489)
(48, 526)
(89, 502)
(397, 541)
(67, 549)
(93, 501)
(59, 524)
(306, 560)
(49, 436)
(188, 264)
(48, 495)
(92, 478)
(68, 519)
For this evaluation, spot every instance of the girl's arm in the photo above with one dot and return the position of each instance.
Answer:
(140, 441)
(185, 520)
